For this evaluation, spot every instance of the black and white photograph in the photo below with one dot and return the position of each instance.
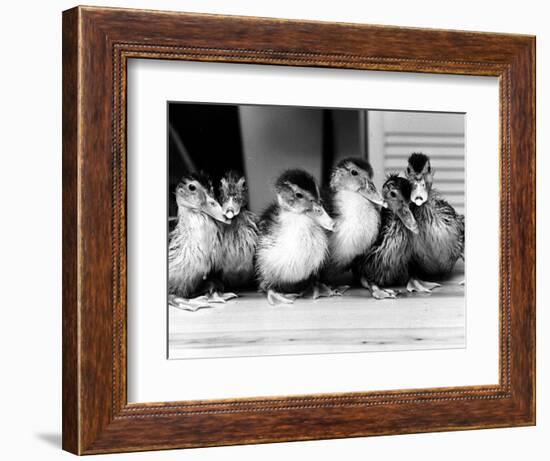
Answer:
(312, 230)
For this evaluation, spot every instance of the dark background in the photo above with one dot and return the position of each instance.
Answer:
(261, 142)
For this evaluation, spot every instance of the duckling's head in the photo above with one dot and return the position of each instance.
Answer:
(355, 175)
(397, 194)
(297, 192)
(420, 175)
(195, 192)
(232, 193)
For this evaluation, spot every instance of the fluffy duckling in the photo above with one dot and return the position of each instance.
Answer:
(240, 237)
(194, 248)
(387, 262)
(355, 206)
(440, 240)
(293, 244)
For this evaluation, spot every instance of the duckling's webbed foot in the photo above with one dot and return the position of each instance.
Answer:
(421, 286)
(215, 294)
(321, 290)
(193, 304)
(274, 297)
(221, 298)
(377, 292)
(382, 293)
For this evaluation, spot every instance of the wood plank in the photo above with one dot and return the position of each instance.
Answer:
(355, 322)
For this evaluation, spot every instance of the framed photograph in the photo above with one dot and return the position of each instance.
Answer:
(284, 280)
(280, 230)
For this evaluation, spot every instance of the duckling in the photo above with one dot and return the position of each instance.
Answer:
(440, 240)
(355, 206)
(293, 245)
(240, 237)
(387, 262)
(194, 248)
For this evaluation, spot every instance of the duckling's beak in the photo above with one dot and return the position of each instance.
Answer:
(322, 218)
(407, 219)
(231, 209)
(214, 210)
(419, 194)
(372, 195)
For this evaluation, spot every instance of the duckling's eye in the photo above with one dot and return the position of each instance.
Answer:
(299, 195)
(192, 187)
(393, 194)
(354, 172)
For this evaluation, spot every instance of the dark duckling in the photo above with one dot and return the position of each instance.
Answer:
(440, 240)
(388, 260)
(240, 237)
(194, 249)
(293, 244)
(355, 205)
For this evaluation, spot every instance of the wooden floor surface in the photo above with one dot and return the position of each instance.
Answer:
(355, 322)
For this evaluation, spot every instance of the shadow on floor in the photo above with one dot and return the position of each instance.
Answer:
(51, 438)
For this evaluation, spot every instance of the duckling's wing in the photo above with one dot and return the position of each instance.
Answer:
(453, 220)
(447, 212)
(386, 219)
(462, 226)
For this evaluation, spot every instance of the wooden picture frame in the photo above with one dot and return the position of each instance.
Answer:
(97, 43)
